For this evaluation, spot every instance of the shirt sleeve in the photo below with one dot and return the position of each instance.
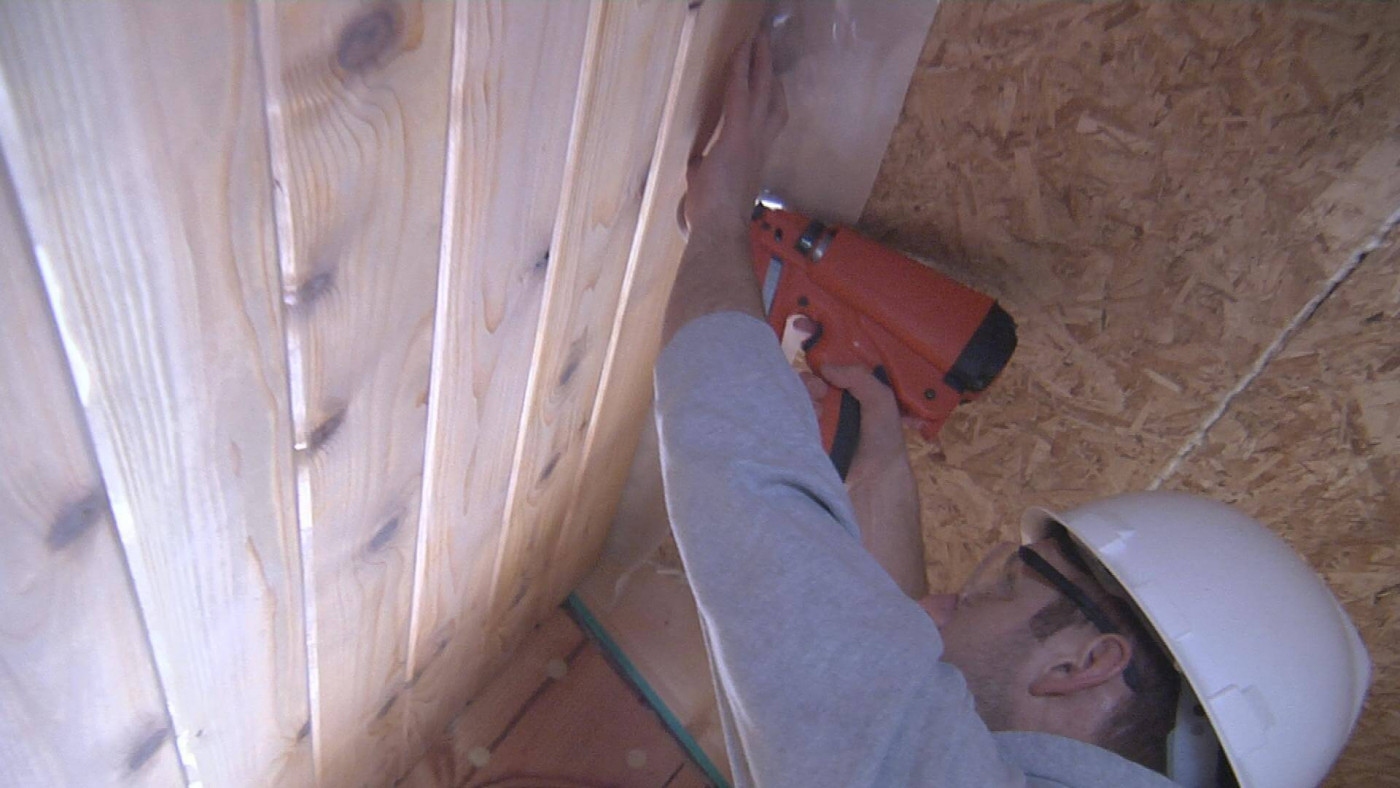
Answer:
(829, 674)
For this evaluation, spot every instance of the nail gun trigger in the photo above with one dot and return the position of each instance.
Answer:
(812, 340)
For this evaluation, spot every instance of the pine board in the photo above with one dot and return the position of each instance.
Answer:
(626, 73)
(357, 117)
(708, 41)
(79, 701)
(514, 81)
(135, 138)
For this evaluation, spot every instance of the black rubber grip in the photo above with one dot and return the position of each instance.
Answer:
(847, 438)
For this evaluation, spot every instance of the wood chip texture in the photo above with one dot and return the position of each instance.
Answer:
(1158, 193)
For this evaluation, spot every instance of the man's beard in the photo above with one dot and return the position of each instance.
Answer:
(990, 676)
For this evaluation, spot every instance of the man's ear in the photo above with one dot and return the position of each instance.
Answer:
(1100, 660)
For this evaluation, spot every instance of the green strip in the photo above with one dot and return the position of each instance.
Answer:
(595, 630)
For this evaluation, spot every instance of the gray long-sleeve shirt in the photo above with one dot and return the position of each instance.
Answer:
(826, 673)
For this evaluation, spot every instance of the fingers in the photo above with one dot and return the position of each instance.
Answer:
(777, 111)
(816, 387)
(736, 91)
(761, 72)
(862, 384)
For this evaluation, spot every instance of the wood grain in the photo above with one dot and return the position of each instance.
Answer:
(79, 700)
(357, 111)
(135, 137)
(514, 81)
(623, 403)
(626, 74)
(1156, 191)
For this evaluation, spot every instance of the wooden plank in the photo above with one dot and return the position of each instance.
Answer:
(483, 724)
(357, 116)
(624, 397)
(79, 701)
(627, 70)
(845, 68)
(136, 141)
(587, 727)
(514, 81)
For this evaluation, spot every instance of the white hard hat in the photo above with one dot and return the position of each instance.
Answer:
(1273, 659)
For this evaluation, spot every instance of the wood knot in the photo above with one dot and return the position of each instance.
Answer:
(76, 519)
(383, 535)
(146, 748)
(571, 364)
(550, 466)
(388, 704)
(364, 42)
(309, 292)
(322, 434)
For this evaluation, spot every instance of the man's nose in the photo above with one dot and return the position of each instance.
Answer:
(940, 608)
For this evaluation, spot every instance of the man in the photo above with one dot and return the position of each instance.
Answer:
(829, 673)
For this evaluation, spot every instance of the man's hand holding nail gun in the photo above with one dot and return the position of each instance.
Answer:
(881, 481)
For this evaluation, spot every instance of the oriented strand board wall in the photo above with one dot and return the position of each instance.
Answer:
(1312, 447)
(1158, 192)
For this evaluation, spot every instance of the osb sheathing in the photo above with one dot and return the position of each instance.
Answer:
(1313, 448)
(1158, 193)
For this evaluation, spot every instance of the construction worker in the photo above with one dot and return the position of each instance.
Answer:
(1139, 636)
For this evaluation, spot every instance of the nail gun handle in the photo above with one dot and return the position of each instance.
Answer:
(840, 423)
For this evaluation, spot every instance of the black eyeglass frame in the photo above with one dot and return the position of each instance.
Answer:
(1075, 594)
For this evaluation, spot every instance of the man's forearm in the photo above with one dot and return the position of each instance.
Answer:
(716, 275)
(886, 502)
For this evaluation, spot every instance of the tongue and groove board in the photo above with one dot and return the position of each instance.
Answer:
(135, 139)
(710, 38)
(515, 77)
(70, 630)
(627, 70)
(357, 120)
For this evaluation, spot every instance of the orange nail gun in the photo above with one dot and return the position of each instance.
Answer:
(935, 342)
